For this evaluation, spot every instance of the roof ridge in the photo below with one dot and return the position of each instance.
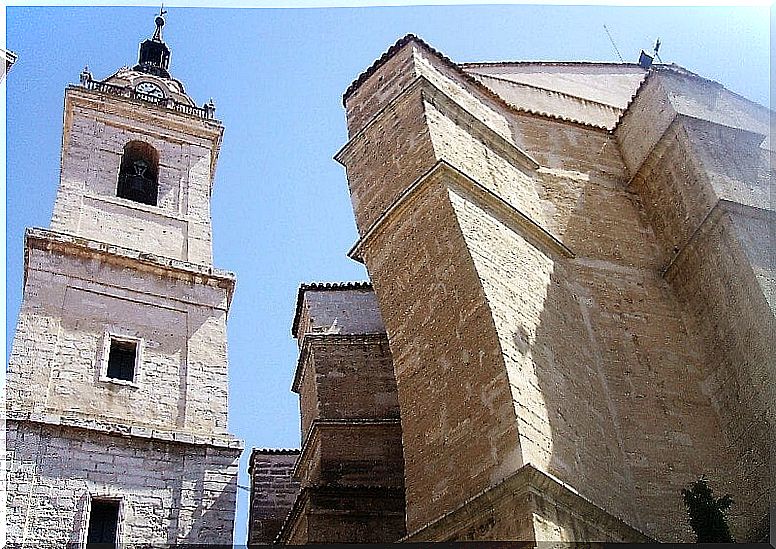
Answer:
(390, 52)
(540, 62)
(550, 90)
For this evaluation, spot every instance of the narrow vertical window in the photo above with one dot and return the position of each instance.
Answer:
(103, 522)
(138, 174)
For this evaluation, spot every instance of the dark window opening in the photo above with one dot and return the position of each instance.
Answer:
(121, 359)
(139, 173)
(103, 522)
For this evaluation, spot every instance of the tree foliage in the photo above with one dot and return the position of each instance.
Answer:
(707, 514)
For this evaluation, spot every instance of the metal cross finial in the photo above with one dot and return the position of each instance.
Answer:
(159, 24)
(657, 47)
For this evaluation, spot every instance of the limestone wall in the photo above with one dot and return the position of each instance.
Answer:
(96, 130)
(170, 493)
(521, 285)
(705, 182)
(74, 301)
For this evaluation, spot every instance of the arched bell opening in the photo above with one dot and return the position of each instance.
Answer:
(139, 172)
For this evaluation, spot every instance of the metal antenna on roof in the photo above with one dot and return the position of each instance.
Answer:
(657, 47)
(614, 45)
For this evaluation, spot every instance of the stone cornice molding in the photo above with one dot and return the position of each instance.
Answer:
(444, 173)
(318, 425)
(126, 430)
(528, 482)
(313, 339)
(178, 122)
(653, 159)
(355, 489)
(455, 111)
(713, 217)
(46, 239)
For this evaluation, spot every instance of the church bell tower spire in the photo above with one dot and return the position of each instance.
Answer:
(154, 56)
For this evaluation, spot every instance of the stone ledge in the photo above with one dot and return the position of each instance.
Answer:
(458, 180)
(140, 431)
(320, 424)
(373, 491)
(528, 482)
(310, 339)
(46, 239)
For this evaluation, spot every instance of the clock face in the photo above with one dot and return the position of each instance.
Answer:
(149, 88)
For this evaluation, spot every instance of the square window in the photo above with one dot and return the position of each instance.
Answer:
(122, 358)
(103, 522)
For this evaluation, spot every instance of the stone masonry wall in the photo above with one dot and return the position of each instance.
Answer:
(354, 378)
(273, 492)
(338, 311)
(546, 278)
(351, 467)
(170, 493)
(97, 129)
(458, 425)
(73, 301)
(705, 183)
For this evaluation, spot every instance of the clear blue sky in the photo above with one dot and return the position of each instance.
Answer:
(281, 211)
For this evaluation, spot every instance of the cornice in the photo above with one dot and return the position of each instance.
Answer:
(458, 180)
(173, 120)
(713, 217)
(310, 340)
(127, 430)
(525, 482)
(318, 425)
(46, 239)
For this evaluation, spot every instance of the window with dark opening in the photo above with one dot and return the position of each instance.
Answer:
(139, 173)
(121, 359)
(103, 522)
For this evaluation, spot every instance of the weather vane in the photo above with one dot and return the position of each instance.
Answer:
(657, 47)
(159, 24)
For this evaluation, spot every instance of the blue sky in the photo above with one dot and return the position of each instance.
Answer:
(281, 211)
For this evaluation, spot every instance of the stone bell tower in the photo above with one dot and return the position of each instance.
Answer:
(117, 382)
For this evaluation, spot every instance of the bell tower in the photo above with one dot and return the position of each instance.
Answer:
(117, 382)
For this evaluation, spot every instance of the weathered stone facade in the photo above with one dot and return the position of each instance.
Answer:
(575, 266)
(349, 472)
(273, 491)
(117, 381)
(544, 279)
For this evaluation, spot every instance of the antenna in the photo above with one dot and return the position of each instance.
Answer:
(657, 47)
(614, 45)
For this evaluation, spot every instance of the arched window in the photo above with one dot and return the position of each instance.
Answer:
(138, 173)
